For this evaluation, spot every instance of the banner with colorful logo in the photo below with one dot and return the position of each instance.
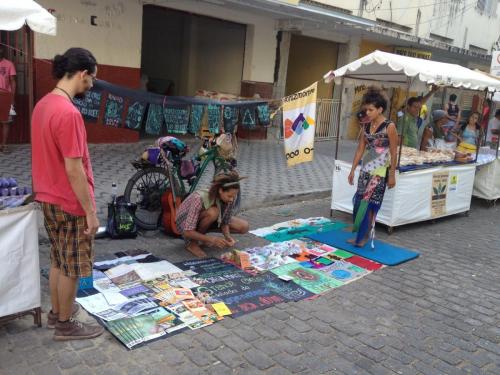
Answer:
(299, 120)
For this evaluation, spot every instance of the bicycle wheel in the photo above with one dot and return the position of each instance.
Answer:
(145, 189)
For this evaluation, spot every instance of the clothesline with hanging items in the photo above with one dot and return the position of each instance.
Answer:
(117, 106)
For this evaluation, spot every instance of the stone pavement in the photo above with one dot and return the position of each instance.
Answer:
(438, 314)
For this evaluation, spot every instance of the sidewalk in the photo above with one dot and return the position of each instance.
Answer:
(438, 314)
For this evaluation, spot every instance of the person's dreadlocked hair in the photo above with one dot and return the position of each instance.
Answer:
(226, 181)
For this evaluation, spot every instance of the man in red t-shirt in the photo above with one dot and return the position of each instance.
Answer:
(7, 92)
(64, 184)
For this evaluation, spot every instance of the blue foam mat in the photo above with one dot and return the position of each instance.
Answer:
(383, 252)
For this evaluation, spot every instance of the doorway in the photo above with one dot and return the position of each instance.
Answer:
(19, 49)
(184, 52)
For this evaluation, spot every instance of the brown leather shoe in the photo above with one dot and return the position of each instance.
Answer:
(76, 330)
(52, 318)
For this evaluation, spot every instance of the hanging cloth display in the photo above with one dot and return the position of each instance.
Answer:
(214, 118)
(248, 117)
(154, 121)
(230, 119)
(196, 116)
(263, 114)
(135, 115)
(176, 119)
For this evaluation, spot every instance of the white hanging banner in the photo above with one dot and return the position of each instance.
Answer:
(299, 120)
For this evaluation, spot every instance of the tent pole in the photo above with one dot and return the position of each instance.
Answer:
(408, 83)
(338, 118)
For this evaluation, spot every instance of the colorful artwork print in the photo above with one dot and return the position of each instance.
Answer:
(273, 255)
(344, 271)
(310, 279)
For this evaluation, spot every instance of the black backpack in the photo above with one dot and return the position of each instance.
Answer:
(121, 223)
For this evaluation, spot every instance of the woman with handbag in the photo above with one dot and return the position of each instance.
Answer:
(211, 210)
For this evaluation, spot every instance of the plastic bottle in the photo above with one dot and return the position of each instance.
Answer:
(114, 192)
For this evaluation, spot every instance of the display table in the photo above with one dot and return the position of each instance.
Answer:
(418, 195)
(19, 263)
(487, 181)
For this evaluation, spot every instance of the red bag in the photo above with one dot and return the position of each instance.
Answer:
(169, 205)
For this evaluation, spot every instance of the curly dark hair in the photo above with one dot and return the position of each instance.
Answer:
(375, 96)
(72, 61)
(227, 181)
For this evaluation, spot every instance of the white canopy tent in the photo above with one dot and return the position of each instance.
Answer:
(15, 13)
(397, 70)
(400, 205)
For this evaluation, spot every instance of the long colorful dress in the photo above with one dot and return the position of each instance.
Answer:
(372, 181)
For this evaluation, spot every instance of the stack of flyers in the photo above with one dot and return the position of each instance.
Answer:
(105, 285)
(133, 331)
(180, 280)
(136, 291)
(110, 314)
(123, 276)
(167, 320)
(136, 306)
(174, 295)
(150, 271)
(158, 284)
(199, 310)
(183, 313)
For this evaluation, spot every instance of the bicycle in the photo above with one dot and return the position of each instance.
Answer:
(146, 187)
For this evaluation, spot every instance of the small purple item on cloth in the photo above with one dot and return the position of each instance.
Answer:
(153, 155)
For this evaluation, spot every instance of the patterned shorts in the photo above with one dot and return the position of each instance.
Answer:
(71, 249)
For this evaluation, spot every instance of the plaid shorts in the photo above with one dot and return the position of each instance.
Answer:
(71, 250)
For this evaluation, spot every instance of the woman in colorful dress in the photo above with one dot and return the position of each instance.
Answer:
(377, 148)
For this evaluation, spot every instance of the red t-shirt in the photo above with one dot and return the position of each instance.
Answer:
(7, 70)
(58, 132)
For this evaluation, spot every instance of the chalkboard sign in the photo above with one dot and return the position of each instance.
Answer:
(154, 121)
(114, 110)
(90, 105)
(250, 293)
(213, 118)
(135, 115)
(176, 119)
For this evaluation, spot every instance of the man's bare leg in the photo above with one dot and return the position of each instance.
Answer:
(66, 289)
(53, 283)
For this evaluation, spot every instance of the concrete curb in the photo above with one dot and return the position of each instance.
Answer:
(282, 199)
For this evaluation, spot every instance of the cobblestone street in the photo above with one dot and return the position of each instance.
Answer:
(438, 314)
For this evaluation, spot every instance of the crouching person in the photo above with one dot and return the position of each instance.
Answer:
(211, 210)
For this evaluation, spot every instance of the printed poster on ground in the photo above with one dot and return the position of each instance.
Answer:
(299, 120)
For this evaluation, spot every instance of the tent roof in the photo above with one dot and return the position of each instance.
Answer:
(15, 13)
(396, 69)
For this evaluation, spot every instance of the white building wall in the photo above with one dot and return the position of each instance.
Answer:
(117, 38)
(448, 19)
